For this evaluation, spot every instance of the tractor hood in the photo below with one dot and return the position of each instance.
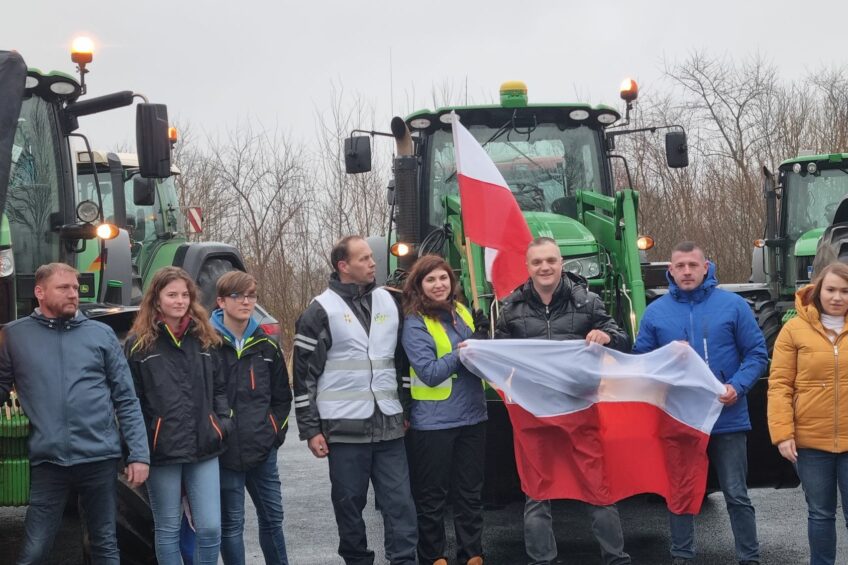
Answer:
(573, 238)
(12, 83)
(807, 243)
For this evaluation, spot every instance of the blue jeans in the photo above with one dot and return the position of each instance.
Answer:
(164, 486)
(97, 484)
(820, 473)
(728, 454)
(540, 542)
(263, 484)
(384, 464)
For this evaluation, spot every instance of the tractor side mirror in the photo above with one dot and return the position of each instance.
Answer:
(390, 192)
(144, 191)
(357, 153)
(152, 143)
(676, 149)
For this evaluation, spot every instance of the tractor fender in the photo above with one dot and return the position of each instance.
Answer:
(205, 262)
(380, 248)
(118, 266)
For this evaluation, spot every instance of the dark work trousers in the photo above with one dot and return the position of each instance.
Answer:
(97, 485)
(449, 461)
(352, 466)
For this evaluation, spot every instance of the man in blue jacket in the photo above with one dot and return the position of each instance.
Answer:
(720, 326)
(72, 380)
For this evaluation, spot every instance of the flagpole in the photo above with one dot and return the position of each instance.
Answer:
(475, 300)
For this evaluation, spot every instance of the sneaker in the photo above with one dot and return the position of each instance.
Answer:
(476, 560)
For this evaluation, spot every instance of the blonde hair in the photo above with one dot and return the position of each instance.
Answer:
(146, 327)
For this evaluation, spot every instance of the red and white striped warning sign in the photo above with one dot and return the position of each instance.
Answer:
(195, 219)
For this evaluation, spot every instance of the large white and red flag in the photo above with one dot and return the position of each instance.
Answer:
(597, 425)
(491, 217)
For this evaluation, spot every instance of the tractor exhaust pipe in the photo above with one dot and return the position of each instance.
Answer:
(405, 168)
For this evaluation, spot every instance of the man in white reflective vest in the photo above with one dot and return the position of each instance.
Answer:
(352, 399)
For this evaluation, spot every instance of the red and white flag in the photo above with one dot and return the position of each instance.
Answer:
(597, 425)
(491, 217)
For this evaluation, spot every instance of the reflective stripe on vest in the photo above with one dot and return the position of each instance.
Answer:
(360, 367)
(442, 391)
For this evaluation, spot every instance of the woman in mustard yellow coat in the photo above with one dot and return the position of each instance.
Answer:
(808, 402)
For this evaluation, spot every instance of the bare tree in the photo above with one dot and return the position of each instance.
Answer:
(347, 204)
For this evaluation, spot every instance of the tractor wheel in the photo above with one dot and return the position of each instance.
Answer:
(770, 468)
(768, 319)
(134, 527)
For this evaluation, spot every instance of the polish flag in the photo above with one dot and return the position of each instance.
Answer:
(491, 217)
(593, 424)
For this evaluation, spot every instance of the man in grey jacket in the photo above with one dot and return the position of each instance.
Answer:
(72, 380)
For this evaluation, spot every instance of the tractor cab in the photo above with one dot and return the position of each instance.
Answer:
(44, 219)
(557, 161)
(147, 208)
(811, 189)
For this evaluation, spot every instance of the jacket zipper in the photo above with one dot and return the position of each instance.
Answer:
(836, 387)
(156, 433)
(548, 319)
(217, 429)
(274, 423)
(252, 377)
(64, 390)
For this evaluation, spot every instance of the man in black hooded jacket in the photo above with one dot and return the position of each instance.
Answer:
(556, 305)
(351, 398)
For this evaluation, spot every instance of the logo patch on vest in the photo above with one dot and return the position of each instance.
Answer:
(381, 318)
(348, 318)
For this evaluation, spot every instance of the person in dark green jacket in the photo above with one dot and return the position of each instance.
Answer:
(260, 398)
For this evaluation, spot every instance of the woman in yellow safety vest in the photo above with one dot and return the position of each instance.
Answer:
(448, 420)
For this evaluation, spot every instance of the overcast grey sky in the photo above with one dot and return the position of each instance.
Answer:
(216, 62)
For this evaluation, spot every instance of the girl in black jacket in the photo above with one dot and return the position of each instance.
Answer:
(182, 391)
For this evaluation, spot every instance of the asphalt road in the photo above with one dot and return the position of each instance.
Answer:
(311, 531)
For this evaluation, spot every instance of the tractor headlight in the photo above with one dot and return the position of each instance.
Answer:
(588, 267)
(7, 263)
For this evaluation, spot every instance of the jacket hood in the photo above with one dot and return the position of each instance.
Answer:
(697, 294)
(39, 316)
(805, 307)
(350, 290)
(217, 319)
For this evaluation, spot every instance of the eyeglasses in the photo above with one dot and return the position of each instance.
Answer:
(241, 297)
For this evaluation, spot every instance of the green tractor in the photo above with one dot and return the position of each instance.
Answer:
(804, 214)
(148, 210)
(806, 225)
(558, 161)
(43, 221)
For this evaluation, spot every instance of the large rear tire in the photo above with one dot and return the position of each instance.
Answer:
(134, 527)
(765, 465)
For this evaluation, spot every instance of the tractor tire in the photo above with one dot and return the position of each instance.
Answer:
(134, 527)
(766, 467)
(768, 319)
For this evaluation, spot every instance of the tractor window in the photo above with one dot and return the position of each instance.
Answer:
(544, 167)
(812, 199)
(149, 223)
(88, 191)
(33, 206)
